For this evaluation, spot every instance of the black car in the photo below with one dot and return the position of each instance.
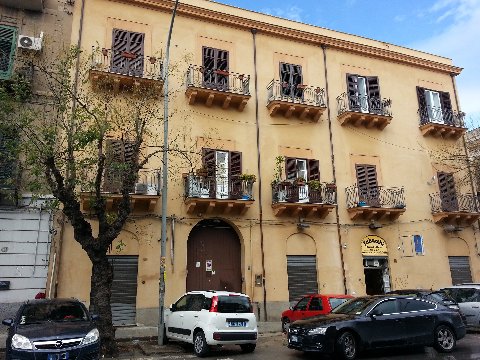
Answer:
(373, 322)
(57, 329)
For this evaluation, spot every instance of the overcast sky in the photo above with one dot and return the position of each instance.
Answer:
(449, 28)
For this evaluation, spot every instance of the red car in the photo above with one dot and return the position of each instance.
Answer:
(312, 305)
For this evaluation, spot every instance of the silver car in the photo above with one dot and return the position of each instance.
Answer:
(468, 298)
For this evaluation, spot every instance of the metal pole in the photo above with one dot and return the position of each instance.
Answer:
(161, 295)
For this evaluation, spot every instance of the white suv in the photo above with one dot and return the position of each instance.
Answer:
(205, 318)
(467, 296)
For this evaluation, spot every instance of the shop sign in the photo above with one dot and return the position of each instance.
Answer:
(373, 245)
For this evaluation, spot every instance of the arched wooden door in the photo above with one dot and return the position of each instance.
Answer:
(213, 257)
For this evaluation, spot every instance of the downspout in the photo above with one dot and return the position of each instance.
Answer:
(254, 33)
(332, 155)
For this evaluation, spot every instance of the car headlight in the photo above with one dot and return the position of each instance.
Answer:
(91, 337)
(21, 342)
(317, 331)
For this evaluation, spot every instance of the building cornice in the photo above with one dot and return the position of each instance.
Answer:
(295, 34)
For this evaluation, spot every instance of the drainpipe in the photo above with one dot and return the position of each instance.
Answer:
(259, 169)
(332, 155)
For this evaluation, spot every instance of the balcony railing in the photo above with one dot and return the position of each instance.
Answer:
(125, 63)
(298, 94)
(361, 110)
(377, 197)
(459, 203)
(432, 114)
(217, 188)
(220, 80)
(292, 193)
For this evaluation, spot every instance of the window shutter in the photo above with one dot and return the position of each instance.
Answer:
(209, 161)
(222, 60)
(284, 73)
(291, 168)
(313, 169)
(215, 59)
(446, 108)
(208, 58)
(136, 46)
(352, 93)
(235, 164)
(8, 41)
(448, 194)
(373, 87)
(367, 183)
(129, 42)
(422, 105)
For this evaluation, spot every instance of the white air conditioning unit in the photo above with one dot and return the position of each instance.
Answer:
(141, 188)
(30, 42)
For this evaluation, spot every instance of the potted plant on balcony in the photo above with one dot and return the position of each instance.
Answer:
(222, 72)
(299, 181)
(247, 185)
(314, 185)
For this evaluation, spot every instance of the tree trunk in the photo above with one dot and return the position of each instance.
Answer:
(101, 284)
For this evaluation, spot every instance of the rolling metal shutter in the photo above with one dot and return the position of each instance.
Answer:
(124, 289)
(460, 269)
(302, 276)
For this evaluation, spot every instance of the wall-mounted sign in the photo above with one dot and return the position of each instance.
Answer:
(208, 265)
(373, 245)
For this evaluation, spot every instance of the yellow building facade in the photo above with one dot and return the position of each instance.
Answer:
(343, 135)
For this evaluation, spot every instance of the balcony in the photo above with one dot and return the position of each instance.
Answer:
(207, 195)
(144, 195)
(436, 122)
(459, 209)
(376, 203)
(300, 101)
(217, 87)
(32, 5)
(126, 72)
(300, 200)
(367, 111)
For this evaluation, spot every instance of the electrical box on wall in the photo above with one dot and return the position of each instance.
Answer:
(258, 280)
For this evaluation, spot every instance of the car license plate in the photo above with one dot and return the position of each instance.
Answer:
(61, 356)
(236, 323)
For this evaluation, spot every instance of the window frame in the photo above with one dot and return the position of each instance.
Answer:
(5, 74)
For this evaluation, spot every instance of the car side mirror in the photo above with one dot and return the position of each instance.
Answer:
(291, 307)
(95, 317)
(173, 307)
(7, 322)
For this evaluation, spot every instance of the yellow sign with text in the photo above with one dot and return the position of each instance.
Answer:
(373, 245)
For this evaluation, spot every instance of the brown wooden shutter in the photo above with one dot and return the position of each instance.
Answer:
(448, 193)
(213, 60)
(235, 164)
(124, 41)
(313, 169)
(352, 93)
(291, 168)
(446, 108)
(422, 105)
(208, 160)
(114, 156)
(367, 184)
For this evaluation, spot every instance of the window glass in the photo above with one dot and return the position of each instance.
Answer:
(302, 168)
(182, 303)
(385, 307)
(302, 304)
(334, 302)
(207, 303)
(195, 303)
(354, 306)
(234, 304)
(315, 304)
(407, 305)
(467, 295)
(41, 312)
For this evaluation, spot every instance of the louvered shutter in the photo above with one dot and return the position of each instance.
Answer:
(112, 177)
(291, 168)
(367, 184)
(213, 60)
(8, 39)
(422, 105)
(7, 161)
(235, 164)
(446, 108)
(290, 78)
(373, 91)
(448, 194)
(313, 169)
(127, 42)
(297, 79)
(285, 79)
(208, 160)
(352, 93)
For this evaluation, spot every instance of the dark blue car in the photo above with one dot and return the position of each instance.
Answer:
(56, 329)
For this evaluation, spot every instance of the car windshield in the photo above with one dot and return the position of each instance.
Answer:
(441, 297)
(234, 304)
(45, 311)
(355, 306)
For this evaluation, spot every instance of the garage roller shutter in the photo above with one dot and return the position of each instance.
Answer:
(460, 269)
(302, 276)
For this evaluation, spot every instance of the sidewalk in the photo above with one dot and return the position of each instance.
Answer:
(141, 341)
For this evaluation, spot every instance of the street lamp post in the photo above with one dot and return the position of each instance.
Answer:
(163, 246)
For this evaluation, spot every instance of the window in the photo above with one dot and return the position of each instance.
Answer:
(307, 169)
(367, 184)
(215, 68)
(448, 193)
(418, 245)
(8, 39)
(302, 304)
(434, 106)
(334, 302)
(408, 305)
(315, 305)
(182, 303)
(119, 155)
(234, 304)
(196, 302)
(363, 93)
(290, 78)
(127, 52)
(225, 168)
(385, 308)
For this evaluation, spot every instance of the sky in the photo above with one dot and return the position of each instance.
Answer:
(449, 28)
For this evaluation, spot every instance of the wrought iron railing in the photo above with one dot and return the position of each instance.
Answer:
(458, 202)
(436, 115)
(300, 94)
(380, 196)
(208, 187)
(148, 183)
(221, 80)
(293, 193)
(125, 63)
(363, 104)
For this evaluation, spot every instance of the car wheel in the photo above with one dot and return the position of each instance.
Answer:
(346, 347)
(444, 339)
(248, 348)
(200, 346)
(285, 324)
